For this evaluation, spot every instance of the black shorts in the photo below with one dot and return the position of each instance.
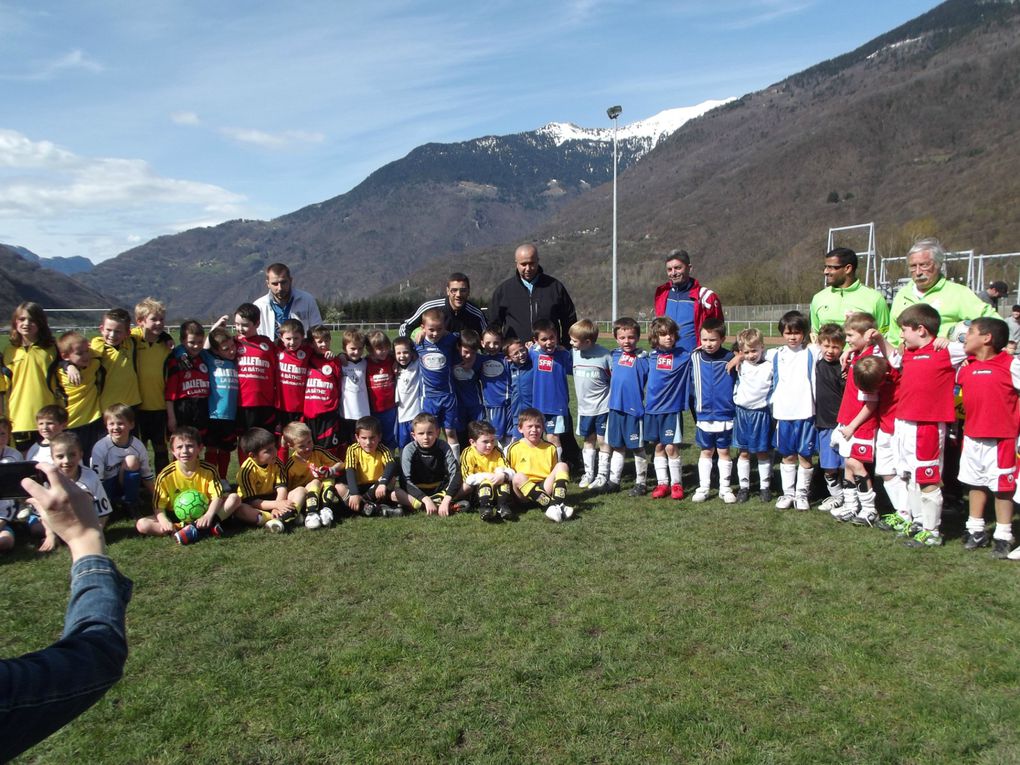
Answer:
(283, 419)
(151, 426)
(326, 431)
(193, 412)
(87, 436)
(222, 434)
(256, 417)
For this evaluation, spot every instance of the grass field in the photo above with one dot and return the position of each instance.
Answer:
(644, 631)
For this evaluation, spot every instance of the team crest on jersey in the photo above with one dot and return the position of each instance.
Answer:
(492, 368)
(545, 363)
(664, 363)
(241, 350)
(433, 361)
(861, 449)
(463, 374)
(264, 346)
(300, 355)
(203, 368)
(327, 369)
(626, 361)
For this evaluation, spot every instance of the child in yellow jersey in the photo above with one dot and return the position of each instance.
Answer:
(80, 399)
(152, 346)
(539, 476)
(486, 473)
(26, 361)
(187, 472)
(315, 469)
(262, 486)
(115, 348)
(371, 487)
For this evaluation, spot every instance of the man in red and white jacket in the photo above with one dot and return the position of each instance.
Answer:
(685, 301)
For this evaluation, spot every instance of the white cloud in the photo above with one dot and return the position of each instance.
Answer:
(46, 70)
(185, 118)
(280, 140)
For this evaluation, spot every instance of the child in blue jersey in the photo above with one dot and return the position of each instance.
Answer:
(467, 382)
(438, 354)
(752, 423)
(715, 411)
(669, 374)
(221, 436)
(793, 409)
(522, 382)
(552, 364)
(496, 384)
(592, 366)
(627, 407)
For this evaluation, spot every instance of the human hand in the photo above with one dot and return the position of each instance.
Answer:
(444, 507)
(430, 506)
(67, 510)
(73, 374)
(355, 501)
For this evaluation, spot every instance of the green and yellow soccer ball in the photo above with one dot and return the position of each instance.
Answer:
(190, 505)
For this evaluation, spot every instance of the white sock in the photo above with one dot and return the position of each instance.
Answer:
(804, 481)
(1003, 531)
(744, 473)
(559, 453)
(725, 468)
(640, 466)
(661, 469)
(835, 485)
(931, 510)
(616, 468)
(704, 472)
(676, 474)
(896, 490)
(976, 525)
(867, 500)
(914, 503)
(604, 464)
(765, 474)
(788, 476)
(588, 458)
(455, 448)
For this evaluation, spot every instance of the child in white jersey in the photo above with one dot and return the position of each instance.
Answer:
(409, 388)
(752, 426)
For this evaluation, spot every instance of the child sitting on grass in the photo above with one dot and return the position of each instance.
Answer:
(262, 486)
(66, 454)
(315, 469)
(486, 473)
(121, 460)
(184, 473)
(429, 466)
(539, 476)
(371, 487)
(50, 421)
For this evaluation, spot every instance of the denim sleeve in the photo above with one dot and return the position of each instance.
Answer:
(40, 692)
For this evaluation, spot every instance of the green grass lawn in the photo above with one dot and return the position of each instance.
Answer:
(644, 631)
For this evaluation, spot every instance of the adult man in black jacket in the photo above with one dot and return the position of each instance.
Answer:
(531, 295)
(458, 312)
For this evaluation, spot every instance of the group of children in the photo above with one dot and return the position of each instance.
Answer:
(319, 434)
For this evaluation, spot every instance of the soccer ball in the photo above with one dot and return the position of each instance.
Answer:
(958, 333)
(190, 505)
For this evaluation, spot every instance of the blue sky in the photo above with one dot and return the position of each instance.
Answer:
(124, 120)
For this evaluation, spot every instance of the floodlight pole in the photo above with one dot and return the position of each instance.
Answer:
(614, 112)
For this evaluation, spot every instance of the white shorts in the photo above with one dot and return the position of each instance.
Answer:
(988, 463)
(885, 453)
(860, 449)
(920, 449)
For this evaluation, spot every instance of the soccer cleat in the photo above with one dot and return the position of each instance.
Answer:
(844, 514)
(597, 482)
(909, 530)
(638, 490)
(1015, 555)
(765, 495)
(585, 482)
(612, 487)
(507, 513)
(925, 538)
(216, 530)
(274, 525)
(831, 504)
(865, 519)
(568, 512)
(1000, 549)
(461, 506)
(891, 522)
(801, 503)
(973, 541)
(368, 509)
(326, 516)
(785, 502)
(554, 513)
(488, 514)
(728, 497)
(700, 495)
(391, 511)
(313, 521)
(661, 491)
(743, 494)
(676, 491)
(187, 535)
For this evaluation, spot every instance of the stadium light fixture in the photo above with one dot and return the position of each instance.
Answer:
(614, 112)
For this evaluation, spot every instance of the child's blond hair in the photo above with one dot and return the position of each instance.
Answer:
(584, 330)
(377, 339)
(750, 338)
(859, 322)
(296, 431)
(353, 336)
(68, 341)
(149, 306)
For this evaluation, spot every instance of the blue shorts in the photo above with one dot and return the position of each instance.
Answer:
(828, 457)
(470, 414)
(752, 430)
(402, 432)
(592, 425)
(706, 439)
(555, 424)
(624, 430)
(665, 428)
(388, 426)
(795, 437)
(444, 409)
(499, 418)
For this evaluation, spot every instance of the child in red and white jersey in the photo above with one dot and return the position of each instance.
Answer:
(257, 372)
(293, 357)
(382, 385)
(322, 393)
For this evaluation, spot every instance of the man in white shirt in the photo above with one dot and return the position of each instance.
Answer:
(283, 302)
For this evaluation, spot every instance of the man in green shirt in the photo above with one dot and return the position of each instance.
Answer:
(954, 302)
(844, 294)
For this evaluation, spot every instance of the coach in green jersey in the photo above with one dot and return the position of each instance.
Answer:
(844, 294)
(954, 302)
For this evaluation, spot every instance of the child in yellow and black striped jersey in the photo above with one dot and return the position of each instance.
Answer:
(486, 473)
(265, 500)
(81, 398)
(315, 469)
(371, 487)
(539, 476)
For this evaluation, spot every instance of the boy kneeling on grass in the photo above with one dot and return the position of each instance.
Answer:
(371, 474)
(486, 473)
(430, 469)
(184, 473)
(539, 476)
(315, 469)
(262, 486)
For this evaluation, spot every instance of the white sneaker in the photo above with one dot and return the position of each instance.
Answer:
(326, 516)
(568, 512)
(275, 525)
(585, 481)
(597, 482)
(830, 504)
(702, 494)
(554, 513)
(313, 521)
(785, 502)
(1015, 555)
(844, 514)
(726, 496)
(801, 503)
